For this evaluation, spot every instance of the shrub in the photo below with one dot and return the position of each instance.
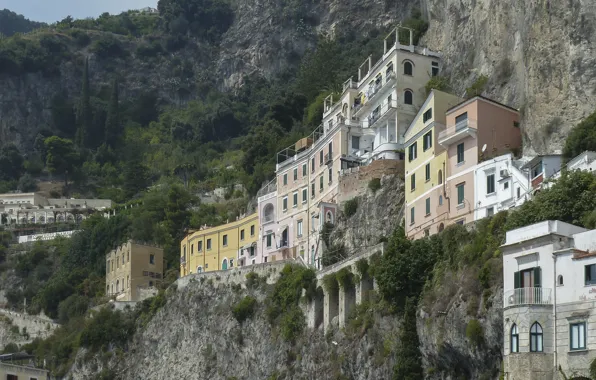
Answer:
(151, 49)
(74, 306)
(593, 369)
(477, 87)
(108, 47)
(81, 38)
(10, 348)
(292, 323)
(107, 327)
(374, 184)
(330, 283)
(345, 278)
(362, 267)
(350, 207)
(437, 83)
(287, 291)
(333, 254)
(253, 280)
(474, 332)
(244, 309)
(582, 137)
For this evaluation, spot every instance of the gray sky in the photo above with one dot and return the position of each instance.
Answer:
(55, 10)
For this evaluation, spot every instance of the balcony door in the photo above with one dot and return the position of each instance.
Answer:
(527, 284)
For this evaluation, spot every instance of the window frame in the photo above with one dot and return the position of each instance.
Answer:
(413, 151)
(224, 240)
(285, 179)
(305, 195)
(295, 174)
(304, 169)
(427, 172)
(412, 215)
(427, 206)
(491, 183)
(536, 337)
(427, 115)
(299, 228)
(585, 331)
(413, 182)
(514, 334)
(427, 141)
(463, 194)
(242, 234)
(284, 204)
(462, 159)
(592, 281)
(409, 72)
(209, 245)
(252, 230)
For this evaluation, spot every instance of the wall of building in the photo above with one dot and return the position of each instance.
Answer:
(354, 182)
(498, 129)
(22, 372)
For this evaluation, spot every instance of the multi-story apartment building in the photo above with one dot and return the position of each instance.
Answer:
(500, 184)
(21, 365)
(365, 123)
(477, 129)
(132, 267)
(221, 248)
(549, 274)
(425, 167)
(542, 168)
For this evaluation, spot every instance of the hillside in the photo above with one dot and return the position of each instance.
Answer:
(11, 23)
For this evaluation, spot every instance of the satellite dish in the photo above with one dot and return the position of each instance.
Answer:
(483, 148)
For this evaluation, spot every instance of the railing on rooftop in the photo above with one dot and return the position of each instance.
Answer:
(268, 188)
(528, 296)
(350, 84)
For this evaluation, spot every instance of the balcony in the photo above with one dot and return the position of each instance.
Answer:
(458, 132)
(385, 112)
(374, 92)
(329, 158)
(528, 296)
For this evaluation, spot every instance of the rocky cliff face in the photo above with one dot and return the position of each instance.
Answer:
(538, 56)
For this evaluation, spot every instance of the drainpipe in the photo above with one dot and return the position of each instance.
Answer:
(555, 311)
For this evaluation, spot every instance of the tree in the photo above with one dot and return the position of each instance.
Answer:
(63, 116)
(113, 127)
(11, 162)
(135, 177)
(409, 360)
(61, 156)
(27, 183)
(85, 113)
(581, 138)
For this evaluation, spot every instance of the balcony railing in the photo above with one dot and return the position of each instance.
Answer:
(329, 158)
(528, 296)
(382, 114)
(373, 91)
(458, 131)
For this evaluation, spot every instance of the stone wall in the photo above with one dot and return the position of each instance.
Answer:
(237, 275)
(35, 326)
(354, 182)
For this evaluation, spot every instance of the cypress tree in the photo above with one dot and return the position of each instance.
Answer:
(409, 360)
(85, 114)
(112, 130)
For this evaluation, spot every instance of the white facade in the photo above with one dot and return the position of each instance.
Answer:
(584, 162)
(500, 185)
(549, 284)
(44, 237)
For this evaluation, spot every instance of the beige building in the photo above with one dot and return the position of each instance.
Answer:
(132, 268)
(19, 366)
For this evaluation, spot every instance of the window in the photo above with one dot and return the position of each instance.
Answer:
(536, 338)
(435, 69)
(460, 153)
(312, 190)
(427, 115)
(304, 195)
(269, 239)
(225, 240)
(300, 228)
(490, 184)
(412, 152)
(331, 175)
(321, 157)
(285, 204)
(12, 377)
(518, 192)
(408, 97)
(412, 215)
(560, 280)
(461, 120)
(241, 234)
(427, 206)
(428, 141)
(413, 182)
(440, 177)
(330, 150)
(192, 249)
(286, 179)
(408, 68)
(265, 258)
(514, 338)
(427, 172)
(231, 263)
(577, 336)
(208, 246)
(152, 259)
(440, 200)
(490, 211)
(200, 246)
(516, 124)
(506, 185)
(252, 230)
(304, 170)
(590, 274)
(537, 170)
(460, 194)
(295, 204)
(356, 142)
(295, 174)
(321, 183)
(312, 165)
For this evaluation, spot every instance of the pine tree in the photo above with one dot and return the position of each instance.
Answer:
(112, 130)
(409, 361)
(85, 114)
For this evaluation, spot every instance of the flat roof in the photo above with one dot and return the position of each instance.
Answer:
(479, 97)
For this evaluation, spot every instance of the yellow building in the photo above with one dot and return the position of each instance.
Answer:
(221, 248)
(132, 268)
(425, 167)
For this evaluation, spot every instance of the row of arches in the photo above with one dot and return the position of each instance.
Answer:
(536, 338)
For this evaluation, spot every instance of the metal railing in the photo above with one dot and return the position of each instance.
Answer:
(268, 188)
(458, 127)
(528, 296)
(376, 116)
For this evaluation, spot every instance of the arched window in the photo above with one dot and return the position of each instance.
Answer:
(560, 280)
(408, 97)
(108, 289)
(440, 179)
(224, 264)
(441, 227)
(408, 68)
(536, 338)
(514, 338)
(199, 269)
(117, 286)
(329, 217)
(268, 212)
(112, 288)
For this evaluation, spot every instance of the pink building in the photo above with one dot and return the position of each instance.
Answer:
(476, 130)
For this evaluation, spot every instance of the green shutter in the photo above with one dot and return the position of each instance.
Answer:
(537, 277)
(517, 280)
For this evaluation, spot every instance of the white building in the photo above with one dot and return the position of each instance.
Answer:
(549, 271)
(500, 185)
(544, 167)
